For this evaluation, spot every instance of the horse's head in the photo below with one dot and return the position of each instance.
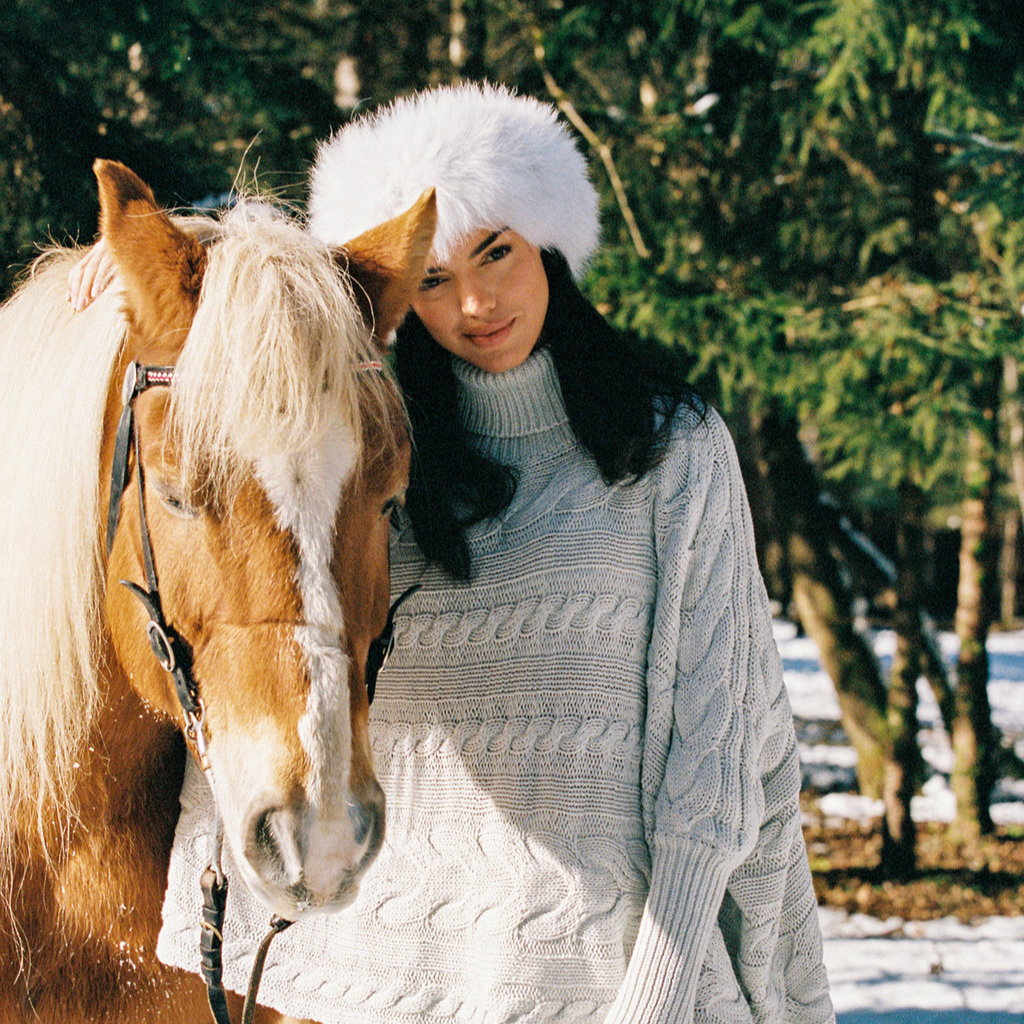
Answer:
(271, 463)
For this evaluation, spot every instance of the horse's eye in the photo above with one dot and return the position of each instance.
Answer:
(391, 506)
(175, 503)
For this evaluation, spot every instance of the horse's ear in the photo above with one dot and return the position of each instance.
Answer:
(161, 267)
(387, 263)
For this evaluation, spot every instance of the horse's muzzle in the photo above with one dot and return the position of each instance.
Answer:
(305, 860)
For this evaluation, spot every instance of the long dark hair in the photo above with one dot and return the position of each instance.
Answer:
(619, 396)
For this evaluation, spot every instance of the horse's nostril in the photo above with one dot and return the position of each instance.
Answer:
(367, 817)
(262, 836)
(272, 846)
(364, 820)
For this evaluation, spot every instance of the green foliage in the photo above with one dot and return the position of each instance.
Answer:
(830, 192)
(195, 95)
(24, 208)
(891, 397)
(818, 204)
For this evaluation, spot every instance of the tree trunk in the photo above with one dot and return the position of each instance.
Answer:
(1015, 425)
(1008, 570)
(933, 668)
(903, 765)
(974, 748)
(824, 610)
(877, 573)
(467, 38)
(822, 600)
(771, 554)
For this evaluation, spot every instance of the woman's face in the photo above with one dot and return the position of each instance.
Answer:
(487, 303)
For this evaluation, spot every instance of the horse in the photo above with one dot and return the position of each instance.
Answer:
(253, 454)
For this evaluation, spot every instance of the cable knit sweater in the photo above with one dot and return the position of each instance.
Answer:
(589, 762)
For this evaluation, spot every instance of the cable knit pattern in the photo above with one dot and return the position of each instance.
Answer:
(589, 762)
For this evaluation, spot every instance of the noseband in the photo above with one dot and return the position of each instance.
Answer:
(175, 656)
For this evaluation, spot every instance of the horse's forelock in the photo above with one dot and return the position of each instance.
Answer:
(272, 360)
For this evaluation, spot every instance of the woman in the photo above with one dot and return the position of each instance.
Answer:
(583, 735)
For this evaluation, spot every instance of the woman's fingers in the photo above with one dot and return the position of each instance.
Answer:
(90, 276)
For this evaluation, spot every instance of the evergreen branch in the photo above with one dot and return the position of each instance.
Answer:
(857, 168)
(970, 140)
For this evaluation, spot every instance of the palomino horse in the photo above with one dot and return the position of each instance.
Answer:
(265, 462)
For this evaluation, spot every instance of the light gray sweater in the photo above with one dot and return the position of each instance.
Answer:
(589, 762)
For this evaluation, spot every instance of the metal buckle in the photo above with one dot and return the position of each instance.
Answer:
(160, 644)
(195, 730)
(131, 379)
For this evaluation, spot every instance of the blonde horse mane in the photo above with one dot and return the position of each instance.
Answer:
(271, 360)
(56, 371)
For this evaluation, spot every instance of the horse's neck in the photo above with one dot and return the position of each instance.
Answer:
(131, 775)
(87, 911)
(126, 806)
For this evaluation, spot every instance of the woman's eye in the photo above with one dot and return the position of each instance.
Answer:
(429, 283)
(499, 252)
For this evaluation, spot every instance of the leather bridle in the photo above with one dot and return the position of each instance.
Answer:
(175, 656)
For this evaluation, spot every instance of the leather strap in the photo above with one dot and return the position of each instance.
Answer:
(137, 379)
(119, 472)
(173, 653)
(381, 647)
(277, 925)
(211, 941)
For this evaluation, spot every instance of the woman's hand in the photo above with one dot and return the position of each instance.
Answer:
(90, 276)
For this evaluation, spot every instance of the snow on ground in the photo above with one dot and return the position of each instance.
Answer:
(939, 972)
(912, 972)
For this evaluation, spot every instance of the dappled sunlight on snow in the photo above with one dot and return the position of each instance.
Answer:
(829, 762)
(912, 972)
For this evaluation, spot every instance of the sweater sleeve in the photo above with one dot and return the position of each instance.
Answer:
(720, 775)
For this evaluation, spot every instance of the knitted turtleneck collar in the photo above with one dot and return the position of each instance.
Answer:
(522, 401)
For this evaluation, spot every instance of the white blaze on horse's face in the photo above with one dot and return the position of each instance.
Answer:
(337, 830)
(303, 827)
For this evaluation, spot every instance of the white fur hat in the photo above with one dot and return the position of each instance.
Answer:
(495, 159)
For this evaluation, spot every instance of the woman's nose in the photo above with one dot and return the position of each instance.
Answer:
(477, 298)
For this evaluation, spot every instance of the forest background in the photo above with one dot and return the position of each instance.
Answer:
(815, 208)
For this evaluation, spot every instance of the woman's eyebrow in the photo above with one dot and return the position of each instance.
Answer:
(488, 240)
(430, 271)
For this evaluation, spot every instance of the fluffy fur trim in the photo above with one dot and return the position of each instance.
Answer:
(496, 160)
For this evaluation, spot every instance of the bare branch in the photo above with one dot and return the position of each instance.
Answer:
(564, 104)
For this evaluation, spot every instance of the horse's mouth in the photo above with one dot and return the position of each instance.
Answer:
(304, 901)
(297, 899)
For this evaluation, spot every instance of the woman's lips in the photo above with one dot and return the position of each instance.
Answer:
(491, 334)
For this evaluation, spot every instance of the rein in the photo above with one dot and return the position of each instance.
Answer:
(175, 656)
